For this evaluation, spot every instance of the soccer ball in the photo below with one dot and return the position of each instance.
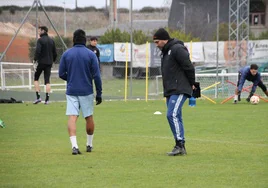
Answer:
(254, 99)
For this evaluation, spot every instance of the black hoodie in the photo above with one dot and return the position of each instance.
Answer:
(45, 50)
(178, 72)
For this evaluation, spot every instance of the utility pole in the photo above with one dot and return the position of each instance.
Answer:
(184, 16)
(64, 18)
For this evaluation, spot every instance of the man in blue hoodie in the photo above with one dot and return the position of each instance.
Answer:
(79, 67)
(178, 76)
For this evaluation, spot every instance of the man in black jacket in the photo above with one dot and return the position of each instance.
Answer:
(178, 76)
(44, 57)
(93, 47)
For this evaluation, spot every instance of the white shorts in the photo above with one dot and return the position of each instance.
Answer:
(75, 103)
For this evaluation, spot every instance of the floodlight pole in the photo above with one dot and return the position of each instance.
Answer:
(64, 18)
(36, 21)
(217, 58)
(184, 16)
(131, 46)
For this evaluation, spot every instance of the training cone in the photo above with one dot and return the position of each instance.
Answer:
(157, 113)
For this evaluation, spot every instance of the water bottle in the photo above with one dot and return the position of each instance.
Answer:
(192, 102)
(2, 124)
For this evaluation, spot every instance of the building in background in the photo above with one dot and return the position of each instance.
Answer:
(200, 17)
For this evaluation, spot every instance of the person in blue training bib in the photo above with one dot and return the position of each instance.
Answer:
(178, 76)
(79, 67)
(249, 73)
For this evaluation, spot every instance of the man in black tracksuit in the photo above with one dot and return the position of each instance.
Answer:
(44, 57)
(93, 47)
(178, 76)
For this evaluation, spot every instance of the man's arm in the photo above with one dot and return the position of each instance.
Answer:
(255, 83)
(62, 68)
(54, 52)
(96, 76)
(98, 54)
(241, 81)
(37, 51)
(182, 56)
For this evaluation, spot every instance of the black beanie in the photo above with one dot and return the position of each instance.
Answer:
(79, 37)
(161, 34)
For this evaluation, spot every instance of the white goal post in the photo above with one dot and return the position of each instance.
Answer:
(225, 87)
(17, 75)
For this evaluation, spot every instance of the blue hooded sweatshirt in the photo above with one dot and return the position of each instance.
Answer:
(79, 67)
(246, 75)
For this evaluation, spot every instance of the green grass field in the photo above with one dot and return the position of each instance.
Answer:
(227, 146)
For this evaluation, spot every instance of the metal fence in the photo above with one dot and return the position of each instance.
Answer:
(19, 76)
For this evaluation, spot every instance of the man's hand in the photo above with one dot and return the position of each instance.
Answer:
(196, 90)
(250, 95)
(35, 64)
(98, 100)
(239, 95)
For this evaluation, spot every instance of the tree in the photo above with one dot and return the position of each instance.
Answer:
(147, 9)
(111, 36)
(224, 32)
(139, 37)
(182, 36)
(114, 35)
(263, 36)
(12, 10)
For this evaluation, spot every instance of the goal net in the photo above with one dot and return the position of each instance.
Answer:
(220, 86)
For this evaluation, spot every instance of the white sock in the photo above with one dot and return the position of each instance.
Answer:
(235, 97)
(73, 141)
(89, 140)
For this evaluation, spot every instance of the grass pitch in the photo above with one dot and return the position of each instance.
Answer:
(227, 146)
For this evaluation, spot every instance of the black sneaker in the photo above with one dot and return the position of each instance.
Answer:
(235, 102)
(76, 151)
(89, 148)
(178, 150)
(239, 98)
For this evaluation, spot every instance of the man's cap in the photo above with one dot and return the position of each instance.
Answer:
(161, 34)
(43, 28)
(93, 38)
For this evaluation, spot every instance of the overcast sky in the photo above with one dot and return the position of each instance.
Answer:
(137, 4)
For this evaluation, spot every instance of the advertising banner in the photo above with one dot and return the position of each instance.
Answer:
(155, 56)
(141, 54)
(122, 51)
(258, 51)
(210, 53)
(106, 53)
(196, 51)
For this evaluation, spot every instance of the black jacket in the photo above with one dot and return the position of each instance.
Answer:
(178, 72)
(45, 50)
(95, 50)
